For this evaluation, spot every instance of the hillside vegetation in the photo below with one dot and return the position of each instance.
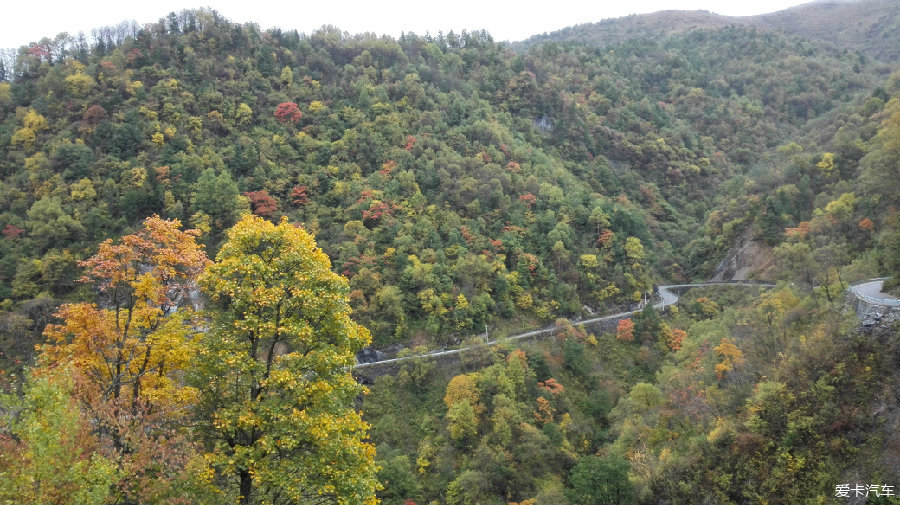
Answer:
(463, 186)
(455, 182)
(864, 26)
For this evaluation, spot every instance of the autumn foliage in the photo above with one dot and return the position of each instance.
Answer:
(463, 388)
(128, 353)
(262, 203)
(551, 386)
(128, 346)
(731, 357)
(288, 112)
(300, 195)
(264, 388)
(625, 330)
(12, 231)
(377, 210)
(94, 114)
(275, 393)
(544, 411)
(675, 339)
(501, 190)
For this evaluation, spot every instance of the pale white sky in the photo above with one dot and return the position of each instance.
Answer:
(22, 22)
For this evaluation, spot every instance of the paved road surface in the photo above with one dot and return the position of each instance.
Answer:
(871, 292)
(666, 297)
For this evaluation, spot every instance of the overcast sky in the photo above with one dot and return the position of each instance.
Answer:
(22, 22)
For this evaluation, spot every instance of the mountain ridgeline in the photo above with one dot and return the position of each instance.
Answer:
(865, 26)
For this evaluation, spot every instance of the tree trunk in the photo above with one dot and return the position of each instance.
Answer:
(246, 486)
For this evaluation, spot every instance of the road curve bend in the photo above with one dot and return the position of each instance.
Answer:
(667, 296)
(870, 291)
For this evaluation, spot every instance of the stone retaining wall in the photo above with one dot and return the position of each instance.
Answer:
(869, 311)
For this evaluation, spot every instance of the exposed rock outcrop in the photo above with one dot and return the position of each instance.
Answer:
(747, 258)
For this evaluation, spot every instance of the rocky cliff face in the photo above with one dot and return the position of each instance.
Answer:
(748, 258)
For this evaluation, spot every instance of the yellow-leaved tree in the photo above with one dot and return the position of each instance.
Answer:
(134, 345)
(275, 406)
(128, 354)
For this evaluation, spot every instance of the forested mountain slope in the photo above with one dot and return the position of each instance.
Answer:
(457, 183)
(463, 185)
(866, 26)
(778, 397)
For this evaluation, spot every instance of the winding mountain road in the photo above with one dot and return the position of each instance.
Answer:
(870, 291)
(667, 297)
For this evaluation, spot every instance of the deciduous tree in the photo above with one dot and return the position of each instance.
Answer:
(625, 330)
(134, 345)
(276, 395)
(288, 112)
(731, 356)
(45, 447)
(262, 204)
(129, 353)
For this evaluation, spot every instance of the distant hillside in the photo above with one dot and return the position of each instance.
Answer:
(456, 183)
(869, 26)
(618, 30)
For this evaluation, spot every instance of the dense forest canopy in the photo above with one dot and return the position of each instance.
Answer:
(864, 26)
(457, 183)
(465, 186)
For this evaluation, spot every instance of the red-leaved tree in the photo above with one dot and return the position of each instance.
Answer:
(12, 231)
(288, 112)
(625, 330)
(262, 204)
(94, 114)
(299, 195)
